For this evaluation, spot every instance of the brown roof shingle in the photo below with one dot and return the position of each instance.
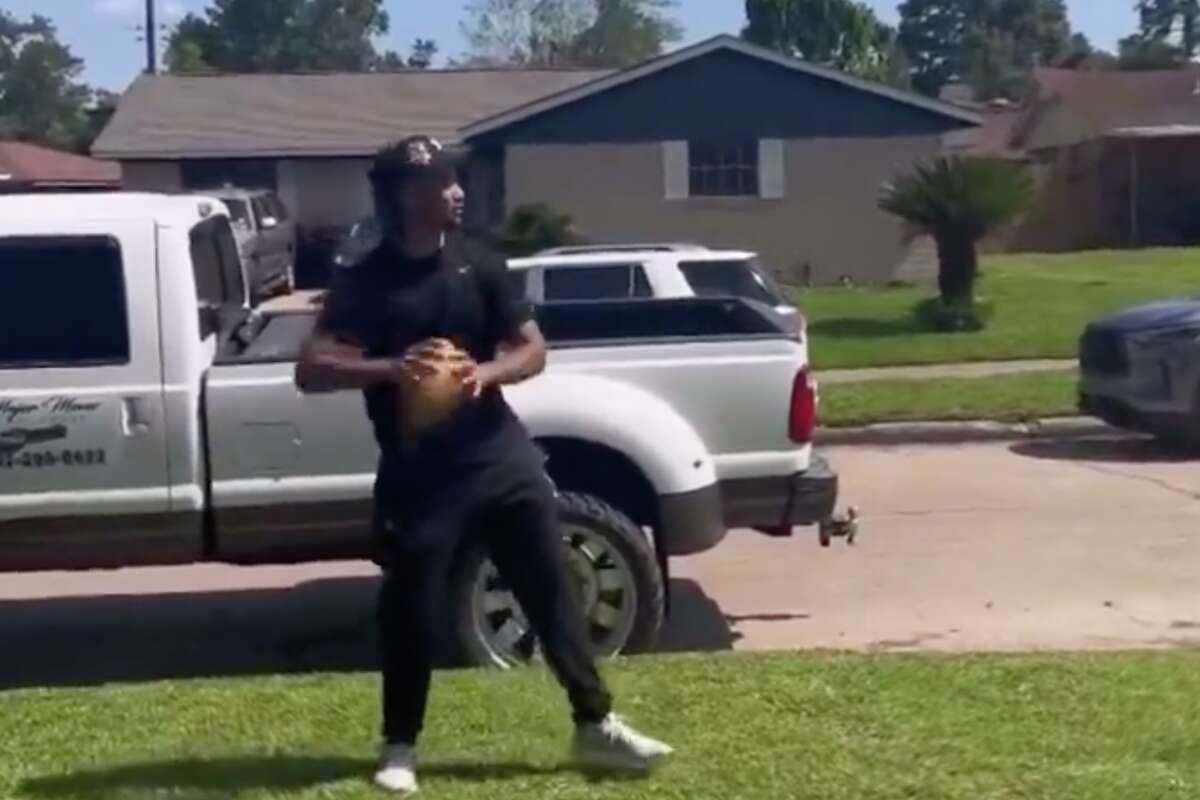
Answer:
(168, 116)
(40, 167)
(1075, 105)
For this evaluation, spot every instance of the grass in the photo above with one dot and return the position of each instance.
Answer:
(1003, 398)
(1042, 303)
(833, 727)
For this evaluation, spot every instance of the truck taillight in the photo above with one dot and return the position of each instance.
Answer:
(802, 420)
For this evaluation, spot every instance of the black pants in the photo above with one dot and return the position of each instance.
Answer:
(510, 504)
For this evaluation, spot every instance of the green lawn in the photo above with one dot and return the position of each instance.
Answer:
(1003, 398)
(1042, 304)
(826, 727)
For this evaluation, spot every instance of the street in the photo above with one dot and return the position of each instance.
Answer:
(1035, 545)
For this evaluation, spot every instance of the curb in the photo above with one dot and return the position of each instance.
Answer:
(901, 433)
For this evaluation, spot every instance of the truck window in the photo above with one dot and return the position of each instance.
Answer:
(731, 279)
(239, 212)
(63, 304)
(601, 282)
(277, 208)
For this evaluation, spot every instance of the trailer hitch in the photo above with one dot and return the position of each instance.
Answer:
(839, 526)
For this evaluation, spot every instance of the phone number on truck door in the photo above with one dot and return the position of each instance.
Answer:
(54, 458)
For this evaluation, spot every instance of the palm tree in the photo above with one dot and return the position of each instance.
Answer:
(959, 201)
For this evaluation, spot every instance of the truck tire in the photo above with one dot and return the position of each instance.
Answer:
(616, 572)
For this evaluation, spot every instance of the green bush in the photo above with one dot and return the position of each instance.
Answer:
(935, 314)
(532, 228)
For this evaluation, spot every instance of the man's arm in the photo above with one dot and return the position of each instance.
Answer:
(328, 365)
(521, 357)
(334, 357)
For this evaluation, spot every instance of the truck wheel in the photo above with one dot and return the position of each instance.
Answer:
(615, 571)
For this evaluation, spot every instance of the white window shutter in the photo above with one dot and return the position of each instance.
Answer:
(675, 170)
(772, 174)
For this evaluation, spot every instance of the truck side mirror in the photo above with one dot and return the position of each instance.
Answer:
(210, 321)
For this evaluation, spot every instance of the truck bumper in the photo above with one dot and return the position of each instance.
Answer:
(691, 522)
(775, 505)
(1127, 416)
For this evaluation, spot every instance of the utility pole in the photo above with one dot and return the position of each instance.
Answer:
(151, 40)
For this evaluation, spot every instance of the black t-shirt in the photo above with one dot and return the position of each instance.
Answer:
(387, 303)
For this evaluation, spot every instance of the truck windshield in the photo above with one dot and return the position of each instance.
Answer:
(740, 278)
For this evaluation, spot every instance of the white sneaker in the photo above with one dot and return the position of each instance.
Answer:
(397, 769)
(612, 744)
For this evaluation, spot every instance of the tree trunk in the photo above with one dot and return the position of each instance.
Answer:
(958, 267)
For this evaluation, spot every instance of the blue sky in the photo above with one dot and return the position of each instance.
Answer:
(101, 31)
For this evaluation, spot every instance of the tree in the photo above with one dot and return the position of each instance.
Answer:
(598, 33)
(624, 33)
(991, 44)
(423, 53)
(959, 201)
(844, 34)
(533, 228)
(41, 97)
(279, 35)
(524, 32)
(1168, 35)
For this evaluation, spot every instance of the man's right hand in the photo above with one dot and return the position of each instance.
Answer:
(428, 360)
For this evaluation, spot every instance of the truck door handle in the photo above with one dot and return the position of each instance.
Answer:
(135, 421)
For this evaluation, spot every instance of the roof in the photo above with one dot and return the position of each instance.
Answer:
(333, 114)
(992, 139)
(69, 208)
(568, 95)
(1072, 106)
(40, 167)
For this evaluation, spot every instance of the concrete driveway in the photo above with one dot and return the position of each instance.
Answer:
(1038, 545)
(1046, 545)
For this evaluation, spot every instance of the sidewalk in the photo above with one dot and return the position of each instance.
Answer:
(983, 369)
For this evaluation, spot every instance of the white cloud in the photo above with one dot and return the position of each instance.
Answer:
(173, 10)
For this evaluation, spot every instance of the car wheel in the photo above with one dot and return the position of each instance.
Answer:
(612, 562)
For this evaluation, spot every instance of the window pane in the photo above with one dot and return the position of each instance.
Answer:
(724, 168)
(64, 302)
(587, 283)
(238, 211)
(277, 208)
(641, 286)
(729, 279)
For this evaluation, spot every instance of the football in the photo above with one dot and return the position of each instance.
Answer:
(434, 390)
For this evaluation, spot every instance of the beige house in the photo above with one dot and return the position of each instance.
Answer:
(310, 137)
(1116, 156)
(722, 143)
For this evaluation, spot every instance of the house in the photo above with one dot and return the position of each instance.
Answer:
(27, 167)
(310, 137)
(1116, 156)
(722, 143)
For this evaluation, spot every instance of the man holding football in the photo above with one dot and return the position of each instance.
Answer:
(430, 337)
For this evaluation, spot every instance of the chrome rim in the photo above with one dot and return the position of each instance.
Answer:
(607, 593)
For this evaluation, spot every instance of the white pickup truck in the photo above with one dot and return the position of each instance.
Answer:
(147, 416)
